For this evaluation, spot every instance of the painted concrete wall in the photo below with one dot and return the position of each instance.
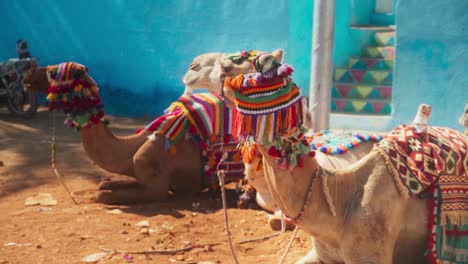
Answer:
(431, 60)
(348, 41)
(138, 50)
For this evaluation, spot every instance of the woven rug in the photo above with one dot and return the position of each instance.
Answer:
(330, 142)
(203, 117)
(436, 162)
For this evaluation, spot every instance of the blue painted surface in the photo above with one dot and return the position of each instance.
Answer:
(431, 60)
(348, 41)
(139, 50)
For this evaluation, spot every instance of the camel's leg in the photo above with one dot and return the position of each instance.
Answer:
(274, 221)
(310, 258)
(132, 195)
(152, 178)
(153, 168)
(118, 184)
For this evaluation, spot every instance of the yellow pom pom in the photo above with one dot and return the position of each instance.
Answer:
(78, 88)
(51, 97)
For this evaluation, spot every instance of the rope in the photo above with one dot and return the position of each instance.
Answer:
(285, 254)
(221, 175)
(52, 160)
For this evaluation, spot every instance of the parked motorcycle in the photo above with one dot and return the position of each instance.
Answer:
(12, 93)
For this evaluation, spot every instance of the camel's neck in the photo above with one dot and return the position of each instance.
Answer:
(110, 152)
(343, 188)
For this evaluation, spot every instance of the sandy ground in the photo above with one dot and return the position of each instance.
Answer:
(66, 233)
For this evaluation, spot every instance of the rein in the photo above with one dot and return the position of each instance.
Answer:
(298, 218)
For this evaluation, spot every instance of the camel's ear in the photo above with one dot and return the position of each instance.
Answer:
(278, 55)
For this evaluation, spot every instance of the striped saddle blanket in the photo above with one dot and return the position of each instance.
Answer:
(203, 117)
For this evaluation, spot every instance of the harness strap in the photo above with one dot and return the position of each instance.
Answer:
(298, 218)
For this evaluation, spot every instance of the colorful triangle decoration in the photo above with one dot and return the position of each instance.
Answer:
(343, 90)
(358, 105)
(364, 91)
(339, 73)
(378, 106)
(371, 63)
(358, 74)
(379, 76)
(385, 92)
(365, 86)
(340, 104)
(386, 110)
(374, 94)
(368, 108)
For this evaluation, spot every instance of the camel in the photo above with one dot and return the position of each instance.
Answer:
(155, 170)
(463, 120)
(361, 214)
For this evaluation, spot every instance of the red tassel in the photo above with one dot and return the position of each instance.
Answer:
(300, 162)
(311, 154)
(278, 153)
(272, 151)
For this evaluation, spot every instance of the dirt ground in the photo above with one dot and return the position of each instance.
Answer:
(66, 233)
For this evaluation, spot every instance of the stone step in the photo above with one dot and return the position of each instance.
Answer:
(386, 52)
(361, 91)
(386, 38)
(374, 77)
(360, 106)
(362, 63)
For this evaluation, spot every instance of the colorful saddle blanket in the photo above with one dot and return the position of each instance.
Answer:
(435, 161)
(203, 117)
(337, 143)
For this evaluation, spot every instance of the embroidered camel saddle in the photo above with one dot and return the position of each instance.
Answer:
(203, 117)
(435, 162)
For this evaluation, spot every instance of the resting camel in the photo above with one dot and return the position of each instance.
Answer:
(154, 168)
(365, 213)
(463, 120)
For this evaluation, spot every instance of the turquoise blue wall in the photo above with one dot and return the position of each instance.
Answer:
(431, 60)
(138, 50)
(348, 41)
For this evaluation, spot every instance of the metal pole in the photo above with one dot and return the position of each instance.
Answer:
(322, 63)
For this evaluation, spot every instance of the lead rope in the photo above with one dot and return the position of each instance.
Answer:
(52, 159)
(221, 176)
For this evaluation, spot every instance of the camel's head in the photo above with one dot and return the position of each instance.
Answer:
(36, 79)
(269, 110)
(464, 117)
(208, 70)
(75, 92)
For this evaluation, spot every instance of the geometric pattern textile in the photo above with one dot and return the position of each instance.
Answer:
(435, 162)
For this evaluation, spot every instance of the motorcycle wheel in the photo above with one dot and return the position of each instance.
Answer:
(23, 103)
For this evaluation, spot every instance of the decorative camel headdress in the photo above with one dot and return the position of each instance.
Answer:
(75, 92)
(270, 111)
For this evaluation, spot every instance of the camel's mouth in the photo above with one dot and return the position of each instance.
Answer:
(74, 92)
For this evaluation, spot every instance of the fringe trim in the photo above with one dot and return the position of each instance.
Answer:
(396, 177)
(432, 226)
(457, 218)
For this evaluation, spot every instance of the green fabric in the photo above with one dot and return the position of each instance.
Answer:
(452, 248)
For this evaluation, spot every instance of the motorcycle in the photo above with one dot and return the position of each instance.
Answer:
(19, 101)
